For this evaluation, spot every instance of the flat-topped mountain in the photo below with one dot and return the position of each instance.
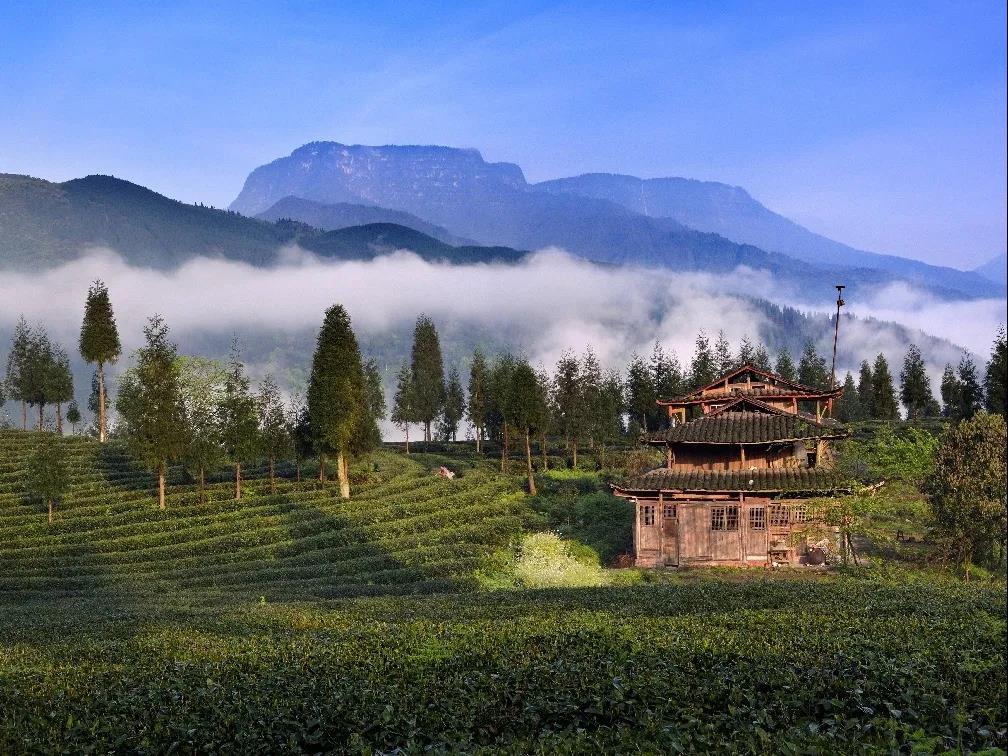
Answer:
(676, 223)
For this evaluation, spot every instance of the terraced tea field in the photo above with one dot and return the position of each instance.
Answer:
(405, 529)
(242, 627)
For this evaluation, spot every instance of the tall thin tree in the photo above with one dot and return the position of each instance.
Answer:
(402, 404)
(239, 417)
(476, 405)
(427, 368)
(99, 343)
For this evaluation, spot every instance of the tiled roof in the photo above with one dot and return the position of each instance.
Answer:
(782, 388)
(770, 480)
(747, 428)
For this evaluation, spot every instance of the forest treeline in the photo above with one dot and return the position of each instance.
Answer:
(205, 414)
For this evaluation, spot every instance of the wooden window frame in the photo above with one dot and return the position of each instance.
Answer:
(724, 518)
(757, 518)
(669, 511)
(648, 514)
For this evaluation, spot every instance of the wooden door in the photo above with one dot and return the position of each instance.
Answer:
(694, 531)
(755, 531)
(670, 534)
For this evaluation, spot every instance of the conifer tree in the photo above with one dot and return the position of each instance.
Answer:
(454, 406)
(59, 383)
(427, 368)
(667, 376)
(238, 417)
(302, 436)
(567, 397)
(884, 406)
(476, 406)
(99, 343)
(367, 435)
(402, 405)
(92, 404)
(500, 407)
(201, 381)
(971, 397)
(812, 370)
(611, 405)
(39, 374)
(915, 385)
(785, 367)
(640, 392)
(761, 359)
(151, 406)
(722, 354)
(73, 416)
(274, 430)
(526, 409)
(848, 408)
(951, 393)
(46, 478)
(865, 390)
(746, 353)
(337, 401)
(17, 368)
(548, 414)
(703, 369)
(590, 387)
(996, 377)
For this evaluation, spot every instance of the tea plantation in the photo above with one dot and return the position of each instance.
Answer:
(296, 623)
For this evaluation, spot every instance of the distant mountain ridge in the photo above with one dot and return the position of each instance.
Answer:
(598, 216)
(994, 269)
(44, 224)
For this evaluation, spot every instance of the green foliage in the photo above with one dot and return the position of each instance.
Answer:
(454, 407)
(544, 560)
(274, 428)
(640, 392)
(427, 369)
(667, 381)
(99, 336)
(785, 367)
(915, 386)
(970, 392)
(703, 369)
(73, 415)
(476, 404)
(996, 376)
(951, 393)
(201, 381)
(812, 369)
(848, 406)
(722, 354)
(402, 405)
(967, 490)
(237, 412)
(46, 477)
(904, 454)
(883, 403)
(336, 400)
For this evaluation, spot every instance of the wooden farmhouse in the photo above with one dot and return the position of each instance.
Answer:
(743, 456)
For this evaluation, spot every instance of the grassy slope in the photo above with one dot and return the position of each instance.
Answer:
(226, 627)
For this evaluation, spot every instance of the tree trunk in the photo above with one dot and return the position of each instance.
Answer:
(297, 469)
(202, 485)
(24, 415)
(574, 450)
(406, 427)
(41, 419)
(544, 451)
(272, 470)
(426, 434)
(528, 464)
(344, 477)
(59, 418)
(237, 481)
(161, 485)
(479, 435)
(50, 511)
(321, 468)
(504, 444)
(102, 432)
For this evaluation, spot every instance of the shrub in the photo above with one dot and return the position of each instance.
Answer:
(545, 561)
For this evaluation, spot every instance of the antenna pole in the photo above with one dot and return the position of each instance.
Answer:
(836, 330)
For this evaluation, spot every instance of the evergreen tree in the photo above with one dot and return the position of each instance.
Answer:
(73, 416)
(201, 382)
(548, 413)
(915, 385)
(46, 477)
(667, 376)
(17, 368)
(238, 417)
(971, 398)
(884, 405)
(37, 372)
(476, 406)
(722, 354)
(996, 377)
(498, 416)
(785, 367)
(567, 397)
(640, 392)
(99, 342)
(150, 404)
(703, 369)
(746, 353)
(865, 390)
(590, 386)
(609, 416)
(761, 359)
(428, 373)
(951, 393)
(848, 407)
(302, 436)
(454, 406)
(812, 370)
(337, 401)
(367, 435)
(59, 383)
(526, 409)
(274, 429)
(402, 405)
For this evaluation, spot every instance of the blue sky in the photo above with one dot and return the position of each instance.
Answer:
(879, 124)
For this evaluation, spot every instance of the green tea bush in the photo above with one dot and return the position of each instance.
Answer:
(545, 561)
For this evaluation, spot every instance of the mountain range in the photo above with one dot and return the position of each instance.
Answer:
(669, 222)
